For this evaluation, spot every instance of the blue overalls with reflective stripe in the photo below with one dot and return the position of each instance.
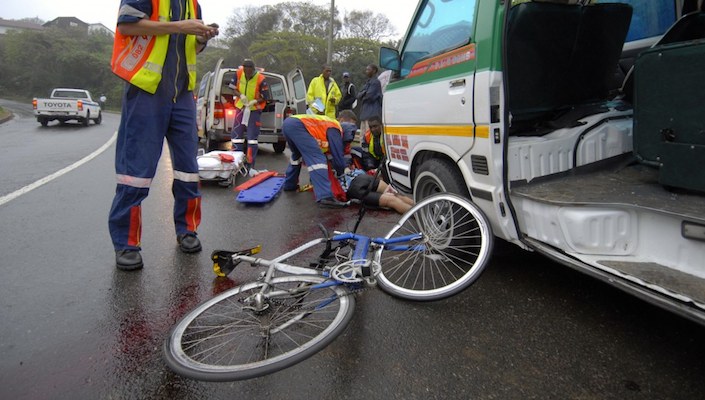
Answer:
(146, 120)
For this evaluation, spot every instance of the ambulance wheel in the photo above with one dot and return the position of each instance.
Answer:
(438, 175)
(87, 119)
(98, 120)
(43, 121)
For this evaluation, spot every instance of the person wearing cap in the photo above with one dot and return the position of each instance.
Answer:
(252, 91)
(349, 94)
(314, 139)
(324, 89)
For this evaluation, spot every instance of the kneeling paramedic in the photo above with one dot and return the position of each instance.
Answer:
(315, 138)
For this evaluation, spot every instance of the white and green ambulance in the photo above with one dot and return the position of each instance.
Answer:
(577, 127)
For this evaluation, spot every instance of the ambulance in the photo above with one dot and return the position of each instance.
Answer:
(577, 127)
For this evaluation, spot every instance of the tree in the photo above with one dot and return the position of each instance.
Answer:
(287, 35)
(365, 24)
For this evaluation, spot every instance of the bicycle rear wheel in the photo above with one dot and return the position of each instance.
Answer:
(230, 337)
(454, 247)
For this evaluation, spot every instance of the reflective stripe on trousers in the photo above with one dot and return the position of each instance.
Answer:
(146, 121)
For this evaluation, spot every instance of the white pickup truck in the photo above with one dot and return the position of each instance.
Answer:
(67, 104)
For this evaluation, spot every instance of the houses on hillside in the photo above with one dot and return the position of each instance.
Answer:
(7, 25)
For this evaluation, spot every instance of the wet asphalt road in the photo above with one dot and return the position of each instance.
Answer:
(73, 327)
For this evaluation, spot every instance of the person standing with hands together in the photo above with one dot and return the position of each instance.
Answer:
(324, 89)
(156, 43)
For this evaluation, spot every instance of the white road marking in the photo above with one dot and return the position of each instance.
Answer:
(19, 192)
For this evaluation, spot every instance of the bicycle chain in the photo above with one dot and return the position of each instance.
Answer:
(350, 292)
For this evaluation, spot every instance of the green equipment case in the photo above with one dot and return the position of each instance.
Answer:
(669, 113)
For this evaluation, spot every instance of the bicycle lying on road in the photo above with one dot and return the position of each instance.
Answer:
(437, 249)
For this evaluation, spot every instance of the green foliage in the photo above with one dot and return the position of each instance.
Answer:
(278, 37)
(295, 34)
(34, 62)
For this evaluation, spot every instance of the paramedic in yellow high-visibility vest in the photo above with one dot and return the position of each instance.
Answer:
(252, 92)
(155, 48)
(323, 91)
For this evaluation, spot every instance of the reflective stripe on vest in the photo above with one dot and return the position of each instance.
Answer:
(250, 88)
(140, 59)
(317, 125)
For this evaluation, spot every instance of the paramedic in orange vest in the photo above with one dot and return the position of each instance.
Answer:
(252, 91)
(155, 48)
(314, 138)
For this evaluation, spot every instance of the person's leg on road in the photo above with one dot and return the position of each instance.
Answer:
(138, 149)
(237, 135)
(182, 138)
(253, 129)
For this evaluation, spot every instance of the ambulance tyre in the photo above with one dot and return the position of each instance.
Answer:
(44, 121)
(98, 120)
(438, 175)
(87, 119)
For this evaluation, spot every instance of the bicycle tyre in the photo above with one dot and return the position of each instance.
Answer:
(220, 340)
(456, 246)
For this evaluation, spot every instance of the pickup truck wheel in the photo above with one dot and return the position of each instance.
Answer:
(98, 120)
(87, 119)
(436, 176)
(279, 147)
(43, 121)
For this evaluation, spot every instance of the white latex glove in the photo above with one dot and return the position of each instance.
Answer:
(347, 170)
(243, 98)
(251, 103)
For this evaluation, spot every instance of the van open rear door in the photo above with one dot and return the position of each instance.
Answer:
(297, 91)
(210, 95)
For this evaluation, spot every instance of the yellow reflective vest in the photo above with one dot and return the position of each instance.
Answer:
(140, 59)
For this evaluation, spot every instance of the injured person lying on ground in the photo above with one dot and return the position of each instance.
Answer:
(374, 192)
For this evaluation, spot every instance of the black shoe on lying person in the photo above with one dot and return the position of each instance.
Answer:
(330, 202)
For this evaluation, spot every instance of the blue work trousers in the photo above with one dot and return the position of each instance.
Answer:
(146, 120)
(253, 129)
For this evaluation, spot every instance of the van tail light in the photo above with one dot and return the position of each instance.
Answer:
(218, 111)
(80, 105)
(34, 104)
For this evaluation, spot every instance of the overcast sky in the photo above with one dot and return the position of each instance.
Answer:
(105, 11)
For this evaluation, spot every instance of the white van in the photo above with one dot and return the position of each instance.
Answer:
(575, 126)
(215, 106)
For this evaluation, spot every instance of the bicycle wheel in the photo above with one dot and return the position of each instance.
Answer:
(231, 338)
(453, 247)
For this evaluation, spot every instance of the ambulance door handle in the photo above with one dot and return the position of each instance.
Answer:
(457, 83)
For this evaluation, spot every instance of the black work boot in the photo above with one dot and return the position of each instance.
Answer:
(128, 260)
(189, 243)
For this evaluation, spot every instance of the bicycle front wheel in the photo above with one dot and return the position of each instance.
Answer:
(452, 245)
(240, 334)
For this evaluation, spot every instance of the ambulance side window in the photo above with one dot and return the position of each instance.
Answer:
(441, 26)
(650, 17)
